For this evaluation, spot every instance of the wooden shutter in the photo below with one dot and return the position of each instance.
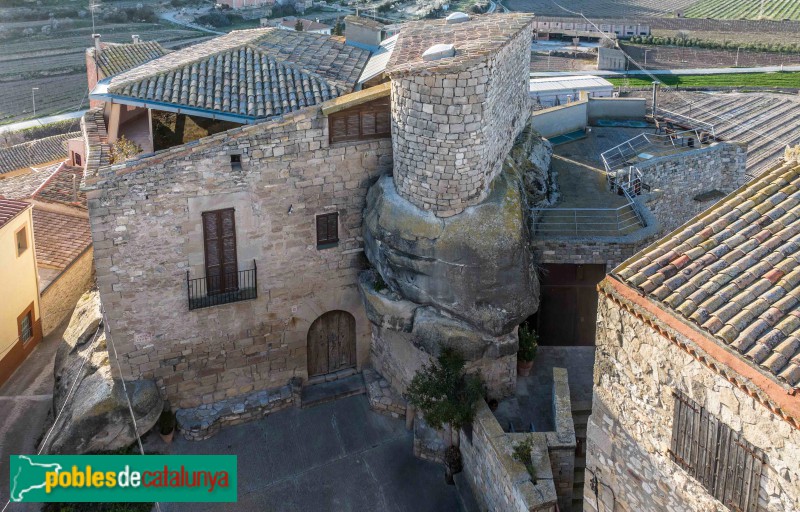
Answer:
(327, 229)
(219, 233)
(370, 120)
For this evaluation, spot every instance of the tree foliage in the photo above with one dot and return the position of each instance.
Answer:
(444, 393)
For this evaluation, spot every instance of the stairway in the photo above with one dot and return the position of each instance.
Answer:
(316, 394)
(580, 417)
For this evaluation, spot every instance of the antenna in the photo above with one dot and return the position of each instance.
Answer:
(92, 6)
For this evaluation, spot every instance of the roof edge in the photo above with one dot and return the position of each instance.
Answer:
(779, 398)
(357, 98)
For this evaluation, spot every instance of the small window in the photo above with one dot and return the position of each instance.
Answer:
(327, 230)
(715, 455)
(22, 241)
(236, 161)
(371, 120)
(26, 327)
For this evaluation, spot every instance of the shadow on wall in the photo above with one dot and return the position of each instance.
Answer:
(171, 129)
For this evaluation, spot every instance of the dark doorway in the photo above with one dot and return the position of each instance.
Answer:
(567, 313)
(331, 343)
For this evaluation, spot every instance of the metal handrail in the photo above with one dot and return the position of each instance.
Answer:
(204, 292)
(701, 125)
(616, 157)
(585, 222)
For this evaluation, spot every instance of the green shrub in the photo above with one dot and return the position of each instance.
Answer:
(528, 343)
(522, 453)
(444, 393)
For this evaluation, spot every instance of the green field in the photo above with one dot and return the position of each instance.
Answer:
(787, 79)
(745, 9)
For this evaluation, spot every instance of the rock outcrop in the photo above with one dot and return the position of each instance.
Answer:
(96, 416)
(465, 281)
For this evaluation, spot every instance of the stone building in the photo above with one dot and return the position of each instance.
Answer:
(698, 363)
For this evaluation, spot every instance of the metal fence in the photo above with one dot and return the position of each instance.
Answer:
(583, 222)
(204, 292)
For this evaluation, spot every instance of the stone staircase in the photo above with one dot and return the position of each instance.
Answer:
(341, 384)
(580, 417)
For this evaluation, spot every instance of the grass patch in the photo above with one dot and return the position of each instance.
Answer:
(776, 79)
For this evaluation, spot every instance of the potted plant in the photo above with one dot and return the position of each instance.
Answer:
(446, 396)
(166, 425)
(528, 343)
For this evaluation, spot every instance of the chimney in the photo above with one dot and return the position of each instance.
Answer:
(362, 32)
(96, 38)
(135, 38)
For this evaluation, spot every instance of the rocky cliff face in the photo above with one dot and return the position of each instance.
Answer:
(465, 281)
(96, 415)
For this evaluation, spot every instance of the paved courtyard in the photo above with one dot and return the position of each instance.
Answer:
(339, 456)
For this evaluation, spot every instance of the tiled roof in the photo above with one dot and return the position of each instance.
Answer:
(59, 238)
(734, 271)
(10, 208)
(473, 40)
(253, 73)
(118, 58)
(22, 186)
(363, 22)
(308, 25)
(35, 152)
(63, 187)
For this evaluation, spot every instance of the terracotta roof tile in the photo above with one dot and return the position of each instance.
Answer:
(118, 58)
(35, 152)
(735, 272)
(22, 186)
(63, 187)
(59, 238)
(10, 208)
(256, 73)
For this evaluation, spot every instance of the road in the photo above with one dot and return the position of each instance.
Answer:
(41, 121)
(171, 16)
(696, 71)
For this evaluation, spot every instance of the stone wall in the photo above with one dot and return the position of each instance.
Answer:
(146, 225)
(498, 481)
(677, 180)
(554, 121)
(59, 298)
(630, 429)
(583, 252)
(451, 131)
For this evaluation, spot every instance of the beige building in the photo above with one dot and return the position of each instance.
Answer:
(696, 403)
(20, 322)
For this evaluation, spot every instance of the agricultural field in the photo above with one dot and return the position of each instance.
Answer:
(602, 8)
(675, 57)
(50, 53)
(745, 9)
(744, 80)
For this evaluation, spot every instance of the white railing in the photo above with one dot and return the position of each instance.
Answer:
(621, 155)
(588, 221)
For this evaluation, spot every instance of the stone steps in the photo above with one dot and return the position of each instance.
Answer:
(325, 392)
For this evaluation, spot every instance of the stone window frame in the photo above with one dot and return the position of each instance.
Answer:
(715, 455)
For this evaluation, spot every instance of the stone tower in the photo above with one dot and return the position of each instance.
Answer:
(448, 233)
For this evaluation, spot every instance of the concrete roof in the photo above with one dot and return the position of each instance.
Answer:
(569, 83)
(734, 272)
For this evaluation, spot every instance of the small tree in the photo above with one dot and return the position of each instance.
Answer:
(444, 393)
(123, 149)
(299, 25)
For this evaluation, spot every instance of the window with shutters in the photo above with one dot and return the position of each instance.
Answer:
(327, 230)
(219, 236)
(372, 120)
(223, 282)
(717, 457)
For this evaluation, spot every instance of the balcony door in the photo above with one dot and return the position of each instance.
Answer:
(219, 235)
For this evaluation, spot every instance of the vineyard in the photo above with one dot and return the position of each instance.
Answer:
(55, 62)
(601, 8)
(745, 9)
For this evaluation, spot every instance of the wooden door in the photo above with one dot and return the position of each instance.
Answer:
(331, 343)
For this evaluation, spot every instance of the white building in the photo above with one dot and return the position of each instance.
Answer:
(561, 90)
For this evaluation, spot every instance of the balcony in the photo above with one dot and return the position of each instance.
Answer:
(225, 288)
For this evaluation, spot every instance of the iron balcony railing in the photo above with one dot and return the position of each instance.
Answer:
(633, 149)
(224, 288)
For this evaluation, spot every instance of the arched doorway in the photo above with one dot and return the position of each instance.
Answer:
(331, 343)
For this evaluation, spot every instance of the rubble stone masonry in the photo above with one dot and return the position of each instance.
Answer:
(630, 429)
(451, 131)
(148, 236)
